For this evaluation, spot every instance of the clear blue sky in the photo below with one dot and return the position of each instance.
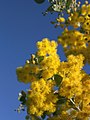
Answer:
(21, 25)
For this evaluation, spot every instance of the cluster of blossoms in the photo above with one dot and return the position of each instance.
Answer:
(51, 61)
(77, 41)
(78, 18)
(81, 17)
(60, 90)
(71, 74)
(41, 97)
(44, 71)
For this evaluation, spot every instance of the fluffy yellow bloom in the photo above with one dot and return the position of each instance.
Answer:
(84, 9)
(86, 92)
(80, 18)
(86, 25)
(49, 66)
(62, 116)
(82, 115)
(75, 20)
(61, 19)
(46, 47)
(25, 73)
(70, 71)
(75, 42)
(41, 97)
(72, 38)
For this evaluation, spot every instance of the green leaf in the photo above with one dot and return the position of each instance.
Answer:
(66, 22)
(61, 100)
(68, 3)
(39, 75)
(22, 97)
(56, 112)
(44, 115)
(40, 58)
(36, 118)
(50, 8)
(58, 79)
(53, 22)
(27, 117)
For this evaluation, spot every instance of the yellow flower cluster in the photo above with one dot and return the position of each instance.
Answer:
(75, 42)
(86, 94)
(75, 20)
(85, 97)
(63, 116)
(70, 71)
(85, 11)
(51, 61)
(49, 66)
(81, 18)
(72, 39)
(46, 47)
(58, 89)
(27, 73)
(41, 97)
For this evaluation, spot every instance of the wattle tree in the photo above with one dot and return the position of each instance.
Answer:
(59, 90)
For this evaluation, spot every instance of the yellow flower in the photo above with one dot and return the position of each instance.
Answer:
(41, 97)
(83, 9)
(86, 25)
(61, 19)
(81, 19)
(71, 73)
(46, 47)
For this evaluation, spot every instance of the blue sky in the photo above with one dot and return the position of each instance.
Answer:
(21, 26)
